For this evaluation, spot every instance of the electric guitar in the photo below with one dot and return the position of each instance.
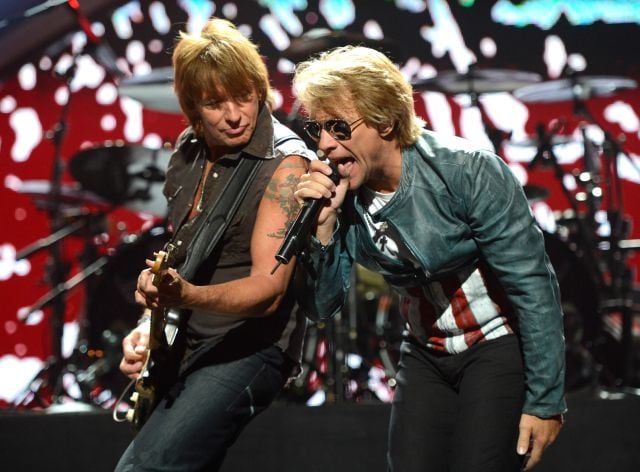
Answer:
(160, 367)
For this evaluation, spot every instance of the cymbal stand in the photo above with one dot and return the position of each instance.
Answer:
(44, 243)
(619, 287)
(50, 377)
(495, 135)
(545, 156)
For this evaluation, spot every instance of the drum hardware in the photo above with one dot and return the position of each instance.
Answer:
(474, 83)
(48, 382)
(618, 285)
(604, 257)
(476, 80)
(574, 88)
(72, 210)
(124, 175)
(535, 193)
(70, 196)
(318, 40)
(544, 138)
(153, 90)
(533, 141)
(545, 156)
(353, 356)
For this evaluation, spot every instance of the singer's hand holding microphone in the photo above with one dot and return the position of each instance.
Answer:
(321, 184)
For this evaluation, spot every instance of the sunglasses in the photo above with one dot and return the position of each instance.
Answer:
(337, 128)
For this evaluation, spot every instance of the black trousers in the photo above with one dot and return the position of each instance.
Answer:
(193, 432)
(457, 413)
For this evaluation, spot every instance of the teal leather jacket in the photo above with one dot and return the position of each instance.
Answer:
(454, 207)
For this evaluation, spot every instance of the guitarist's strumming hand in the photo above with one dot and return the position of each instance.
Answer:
(168, 292)
(134, 350)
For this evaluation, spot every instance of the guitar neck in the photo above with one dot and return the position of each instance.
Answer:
(157, 338)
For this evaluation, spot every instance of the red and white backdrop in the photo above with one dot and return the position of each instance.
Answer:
(434, 42)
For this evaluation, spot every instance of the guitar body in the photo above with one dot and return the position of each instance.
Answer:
(161, 366)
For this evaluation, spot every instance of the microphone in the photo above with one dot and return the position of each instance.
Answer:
(301, 227)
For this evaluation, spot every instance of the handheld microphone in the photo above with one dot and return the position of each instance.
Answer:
(301, 227)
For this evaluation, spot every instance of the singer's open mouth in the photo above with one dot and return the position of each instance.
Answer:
(345, 165)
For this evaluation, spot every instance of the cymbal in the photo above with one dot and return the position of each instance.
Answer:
(535, 193)
(476, 81)
(321, 39)
(580, 87)
(127, 175)
(69, 195)
(556, 140)
(154, 90)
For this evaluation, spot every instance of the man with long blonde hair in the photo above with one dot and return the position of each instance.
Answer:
(241, 335)
(480, 383)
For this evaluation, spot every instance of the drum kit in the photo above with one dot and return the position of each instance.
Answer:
(592, 268)
(107, 177)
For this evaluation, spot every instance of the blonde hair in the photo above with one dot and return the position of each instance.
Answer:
(374, 85)
(219, 59)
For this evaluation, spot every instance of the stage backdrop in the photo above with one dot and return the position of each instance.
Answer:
(70, 112)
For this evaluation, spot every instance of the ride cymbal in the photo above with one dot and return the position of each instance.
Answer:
(321, 39)
(578, 87)
(154, 90)
(69, 194)
(476, 81)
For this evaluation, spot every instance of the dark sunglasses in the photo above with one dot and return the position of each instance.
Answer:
(337, 128)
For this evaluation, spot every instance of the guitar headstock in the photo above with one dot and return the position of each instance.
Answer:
(163, 260)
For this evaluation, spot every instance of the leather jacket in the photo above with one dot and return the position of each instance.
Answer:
(455, 206)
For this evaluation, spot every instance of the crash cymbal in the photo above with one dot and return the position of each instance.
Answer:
(127, 175)
(154, 90)
(581, 88)
(476, 81)
(69, 194)
(321, 39)
(535, 193)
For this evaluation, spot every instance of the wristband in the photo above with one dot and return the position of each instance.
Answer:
(146, 316)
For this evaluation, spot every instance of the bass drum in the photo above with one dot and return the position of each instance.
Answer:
(580, 302)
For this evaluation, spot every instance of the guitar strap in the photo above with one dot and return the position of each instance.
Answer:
(220, 214)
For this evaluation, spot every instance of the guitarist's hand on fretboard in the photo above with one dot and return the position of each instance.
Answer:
(134, 351)
(156, 290)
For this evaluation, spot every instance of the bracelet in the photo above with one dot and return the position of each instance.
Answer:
(146, 316)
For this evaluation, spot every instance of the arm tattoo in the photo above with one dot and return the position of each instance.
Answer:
(281, 191)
